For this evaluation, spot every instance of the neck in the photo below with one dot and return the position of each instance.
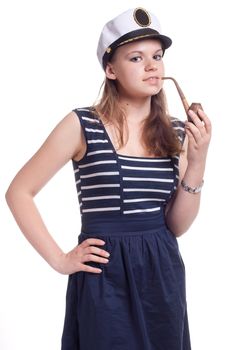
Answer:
(136, 110)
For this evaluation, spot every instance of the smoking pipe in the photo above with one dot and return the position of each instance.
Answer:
(194, 106)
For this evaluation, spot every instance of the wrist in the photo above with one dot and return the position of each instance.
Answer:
(194, 175)
(196, 167)
(57, 262)
(192, 189)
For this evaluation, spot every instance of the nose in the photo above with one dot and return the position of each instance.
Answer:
(150, 65)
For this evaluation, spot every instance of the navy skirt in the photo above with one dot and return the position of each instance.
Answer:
(138, 302)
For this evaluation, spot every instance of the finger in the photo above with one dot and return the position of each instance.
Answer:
(206, 120)
(195, 132)
(95, 241)
(87, 268)
(190, 135)
(96, 250)
(197, 121)
(95, 258)
(194, 116)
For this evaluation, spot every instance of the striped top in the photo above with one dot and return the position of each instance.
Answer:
(109, 183)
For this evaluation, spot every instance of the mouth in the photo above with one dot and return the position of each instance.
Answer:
(152, 79)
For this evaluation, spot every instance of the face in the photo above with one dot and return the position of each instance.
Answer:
(137, 68)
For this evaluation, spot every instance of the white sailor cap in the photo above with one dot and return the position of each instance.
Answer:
(131, 25)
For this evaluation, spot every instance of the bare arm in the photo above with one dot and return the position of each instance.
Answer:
(182, 210)
(64, 142)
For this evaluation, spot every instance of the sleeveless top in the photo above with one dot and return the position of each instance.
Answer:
(111, 184)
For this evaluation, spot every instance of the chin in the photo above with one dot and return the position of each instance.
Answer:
(155, 93)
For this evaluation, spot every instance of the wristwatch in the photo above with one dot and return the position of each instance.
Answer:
(193, 190)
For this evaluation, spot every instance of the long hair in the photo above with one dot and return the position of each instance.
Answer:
(158, 135)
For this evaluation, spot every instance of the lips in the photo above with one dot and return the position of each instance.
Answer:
(153, 81)
(152, 78)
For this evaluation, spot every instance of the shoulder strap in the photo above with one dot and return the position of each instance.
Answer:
(86, 116)
(88, 120)
(178, 125)
(93, 130)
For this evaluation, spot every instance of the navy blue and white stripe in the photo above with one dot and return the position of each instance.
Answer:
(108, 182)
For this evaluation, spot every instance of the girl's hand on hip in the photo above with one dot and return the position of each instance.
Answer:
(199, 135)
(74, 261)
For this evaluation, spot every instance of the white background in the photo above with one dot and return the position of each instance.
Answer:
(48, 67)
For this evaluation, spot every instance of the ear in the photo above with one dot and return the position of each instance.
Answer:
(109, 71)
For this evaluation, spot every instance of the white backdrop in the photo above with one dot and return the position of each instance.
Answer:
(49, 66)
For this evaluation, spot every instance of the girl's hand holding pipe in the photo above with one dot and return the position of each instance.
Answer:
(199, 135)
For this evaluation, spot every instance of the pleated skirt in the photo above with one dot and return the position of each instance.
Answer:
(138, 302)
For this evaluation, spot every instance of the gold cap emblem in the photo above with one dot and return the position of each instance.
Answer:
(142, 17)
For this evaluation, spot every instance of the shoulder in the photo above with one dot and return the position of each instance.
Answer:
(179, 126)
(69, 125)
(66, 137)
(177, 123)
(69, 133)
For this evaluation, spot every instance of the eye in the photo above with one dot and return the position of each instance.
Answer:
(135, 59)
(158, 57)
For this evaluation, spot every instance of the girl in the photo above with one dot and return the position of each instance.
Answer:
(138, 180)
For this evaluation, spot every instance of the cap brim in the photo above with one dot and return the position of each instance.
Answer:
(140, 34)
(166, 41)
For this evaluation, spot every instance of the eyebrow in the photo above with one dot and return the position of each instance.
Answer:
(141, 52)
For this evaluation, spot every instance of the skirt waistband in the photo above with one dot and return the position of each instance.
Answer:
(121, 224)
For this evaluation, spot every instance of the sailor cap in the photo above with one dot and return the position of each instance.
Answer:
(131, 25)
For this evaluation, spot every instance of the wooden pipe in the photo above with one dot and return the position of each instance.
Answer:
(194, 106)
